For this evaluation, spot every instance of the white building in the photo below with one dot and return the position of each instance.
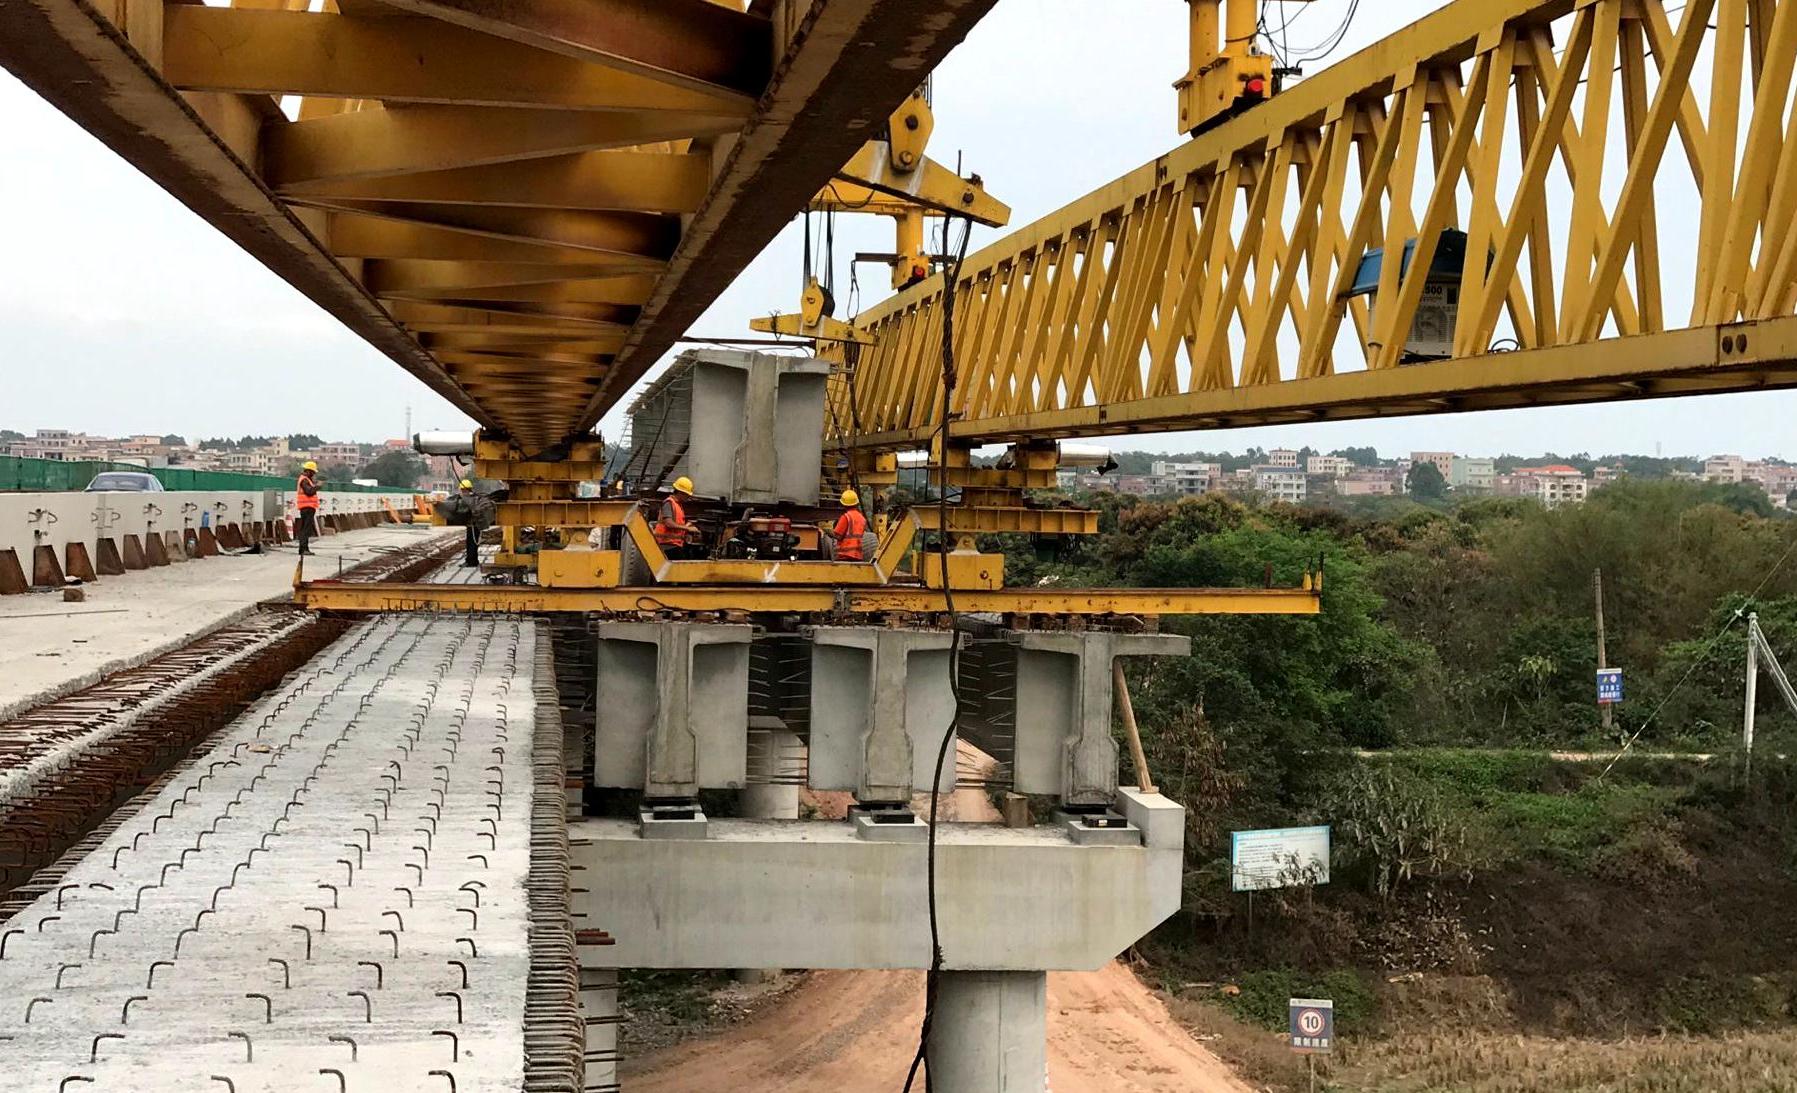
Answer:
(1281, 483)
(1334, 466)
(1282, 457)
(1185, 479)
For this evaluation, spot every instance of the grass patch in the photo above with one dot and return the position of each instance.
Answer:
(1266, 996)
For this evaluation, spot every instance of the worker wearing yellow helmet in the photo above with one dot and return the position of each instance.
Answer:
(849, 529)
(305, 499)
(673, 530)
(472, 529)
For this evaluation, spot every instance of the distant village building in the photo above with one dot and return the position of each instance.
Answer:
(1724, 468)
(1334, 466)
(1366, 484)
(1282, 457)
(1184, 479)
(1472, 473)
(1553, 485)
(1282, 483)
(1444, 462)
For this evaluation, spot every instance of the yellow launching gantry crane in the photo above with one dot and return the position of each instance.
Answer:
(1463, 216)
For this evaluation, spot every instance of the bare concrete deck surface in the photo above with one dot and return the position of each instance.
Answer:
(332, 899)
(49, 647)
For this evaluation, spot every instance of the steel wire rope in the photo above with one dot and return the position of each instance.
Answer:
(1698, 660)
(951, 274)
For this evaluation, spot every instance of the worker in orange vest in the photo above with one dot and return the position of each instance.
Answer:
(305, 498)
(849, 529)
(673, 531)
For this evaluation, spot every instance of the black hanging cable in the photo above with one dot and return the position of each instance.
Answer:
(951, 276)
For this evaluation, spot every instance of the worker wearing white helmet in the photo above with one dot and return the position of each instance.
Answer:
(849, 528)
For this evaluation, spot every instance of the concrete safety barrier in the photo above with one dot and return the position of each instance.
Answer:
(48, 537)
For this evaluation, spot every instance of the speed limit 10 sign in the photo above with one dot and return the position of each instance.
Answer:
(1312, 1025)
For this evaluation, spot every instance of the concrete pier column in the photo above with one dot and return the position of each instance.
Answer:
(989, 1033)
(599, 1011)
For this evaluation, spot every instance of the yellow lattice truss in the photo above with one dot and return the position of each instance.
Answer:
(1623, 172)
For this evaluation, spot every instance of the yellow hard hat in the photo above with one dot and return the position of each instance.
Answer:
(467, 485)
(851, 498)
(308, 465)
(683, 484)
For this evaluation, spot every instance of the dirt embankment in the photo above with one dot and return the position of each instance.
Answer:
(1107, 1033)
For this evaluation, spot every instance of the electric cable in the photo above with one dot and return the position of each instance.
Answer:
(932, 978)
(1697, 661)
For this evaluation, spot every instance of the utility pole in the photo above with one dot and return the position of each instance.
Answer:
(1753, 679)
(1603, 661)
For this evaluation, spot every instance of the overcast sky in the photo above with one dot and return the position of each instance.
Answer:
(122, 312)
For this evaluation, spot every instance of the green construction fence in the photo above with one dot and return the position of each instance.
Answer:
(18, 474)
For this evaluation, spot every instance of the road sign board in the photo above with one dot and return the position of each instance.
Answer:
(1609, 686)
(1281, 857)
(1312, 1025)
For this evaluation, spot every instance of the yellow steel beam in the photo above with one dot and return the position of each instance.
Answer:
(1211, 288)
(597, 318)
(362, 598)
(399, 276)
(601, 290)
(929, 186)
(995, 520)
(375, 141)
(644, 235)
(690, 43)
(353, 235)
(661, 182)
(398, 59)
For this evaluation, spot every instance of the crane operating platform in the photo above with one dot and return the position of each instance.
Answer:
(402, 870)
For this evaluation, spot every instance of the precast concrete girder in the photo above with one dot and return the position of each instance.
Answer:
(1064, 697)
(809, 894)
(882, 709)
(673, 708)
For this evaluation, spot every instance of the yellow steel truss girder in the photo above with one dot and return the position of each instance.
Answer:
(375, 141)
(399, 59)
(326, 596)
(1211, 288)
(661, 182)
(691, 43)
(644, 235)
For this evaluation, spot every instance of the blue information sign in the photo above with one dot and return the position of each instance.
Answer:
(1609, 686)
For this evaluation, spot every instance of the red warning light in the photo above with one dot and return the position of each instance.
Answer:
(1257, 86)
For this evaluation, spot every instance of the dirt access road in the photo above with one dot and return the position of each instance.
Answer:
(857, 1030)
(842, 1030)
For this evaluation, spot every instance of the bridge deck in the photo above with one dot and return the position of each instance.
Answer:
(338, 896)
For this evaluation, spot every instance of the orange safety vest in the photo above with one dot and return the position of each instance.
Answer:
(668, 534)
(850, 527)
(301, 498)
